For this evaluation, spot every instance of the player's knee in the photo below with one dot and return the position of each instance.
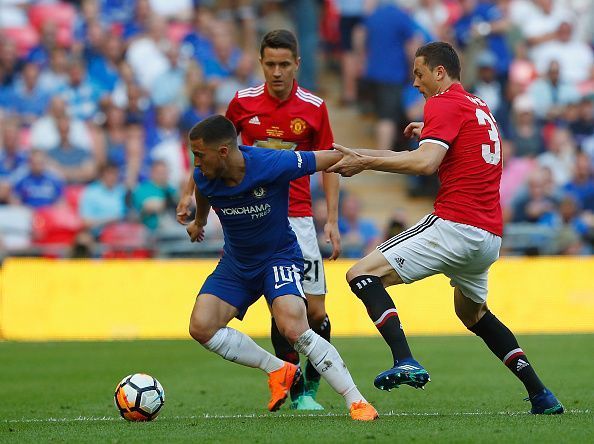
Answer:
(201, 331)
(290, 332)
(316, 317)
(469, 317)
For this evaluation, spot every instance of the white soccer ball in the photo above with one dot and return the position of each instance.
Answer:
(139, 397)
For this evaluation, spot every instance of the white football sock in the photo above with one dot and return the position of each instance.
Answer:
(235, 346)
(326, 360)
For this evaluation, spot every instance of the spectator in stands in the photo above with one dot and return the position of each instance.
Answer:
(396, 224)
(168, 88)
(13, 157)
(352, 14)
(389, 35)
(484, 21)
(102, 202)
(560, 156)
(27, 98)
(104, 68)
(582, 184)
(582, 127)
(201, 106)
(155, 200)
(537, 205)
(574, 56)
(223, 61)
(10, 64)
(6, 197)
(164, 142)
(489, 87)
(550, 94)
(525, 131)
(137, 20)
(572, 229)
(433, 17)
(54, 77)
(146, 55)
(75, 165)
(514, 174)
(38, 187)
(358, 235)
(40, 54)
(44, 131)
(243, 78)
(81, 96)
(197, 43)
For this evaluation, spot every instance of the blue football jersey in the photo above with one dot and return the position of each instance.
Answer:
(254, 213)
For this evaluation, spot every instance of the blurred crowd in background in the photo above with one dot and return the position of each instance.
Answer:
(96, 97)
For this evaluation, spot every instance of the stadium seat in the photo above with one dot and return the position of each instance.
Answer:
(56, 225)
(125, 240)
(62, 14)
(24, 37)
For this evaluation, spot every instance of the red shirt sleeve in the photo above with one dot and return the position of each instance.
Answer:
(443, 121)
(234, 113)
(323, 138)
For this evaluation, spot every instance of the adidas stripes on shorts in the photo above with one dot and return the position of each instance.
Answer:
(437, 246)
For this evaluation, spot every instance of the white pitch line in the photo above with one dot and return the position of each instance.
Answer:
(281, 415)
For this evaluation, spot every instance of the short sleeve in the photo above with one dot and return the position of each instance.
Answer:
(324, 138)
(233, 113)
(442, 122)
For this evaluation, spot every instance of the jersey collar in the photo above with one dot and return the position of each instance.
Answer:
(275, 99)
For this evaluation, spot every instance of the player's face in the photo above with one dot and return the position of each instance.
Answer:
(279, 67)
(425, 78)
(206, 158)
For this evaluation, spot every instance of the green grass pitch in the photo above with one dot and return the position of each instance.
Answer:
(63, 392)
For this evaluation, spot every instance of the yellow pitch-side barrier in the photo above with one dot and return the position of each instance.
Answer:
(116, 299)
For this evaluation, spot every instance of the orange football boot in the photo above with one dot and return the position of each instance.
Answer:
(280, 382)
(363, 411)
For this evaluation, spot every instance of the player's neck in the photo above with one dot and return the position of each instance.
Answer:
(235, 171)
(445, 85)
(281, 96)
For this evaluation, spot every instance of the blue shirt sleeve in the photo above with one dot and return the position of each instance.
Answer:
(290, 165)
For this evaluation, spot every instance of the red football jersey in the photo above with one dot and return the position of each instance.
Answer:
(298, 123)
(470, 172)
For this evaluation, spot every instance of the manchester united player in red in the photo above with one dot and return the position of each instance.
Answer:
(460, 239)
(280, 114)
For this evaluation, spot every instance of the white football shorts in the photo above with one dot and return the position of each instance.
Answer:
(437, 246)
(314, 279)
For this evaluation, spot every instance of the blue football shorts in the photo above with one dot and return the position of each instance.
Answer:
(278, 277)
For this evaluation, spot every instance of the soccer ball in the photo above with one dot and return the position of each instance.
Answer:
(139, 397)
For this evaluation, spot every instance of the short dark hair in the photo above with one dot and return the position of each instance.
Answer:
(280, 38)
(213, 130)
(441, 53)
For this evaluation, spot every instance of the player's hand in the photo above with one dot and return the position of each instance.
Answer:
(413, 129)
(195, 231)
(350, 164)
(332, 235)
(182, 212)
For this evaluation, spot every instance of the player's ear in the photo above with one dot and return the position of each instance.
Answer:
(223, 150)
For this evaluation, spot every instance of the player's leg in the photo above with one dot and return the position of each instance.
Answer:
(408, 253)
(502, 342)
(291, 317)
(208, 326)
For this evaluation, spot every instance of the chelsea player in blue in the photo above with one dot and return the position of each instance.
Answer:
(249, 190)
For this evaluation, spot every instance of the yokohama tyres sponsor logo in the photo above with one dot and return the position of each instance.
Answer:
(256, 211)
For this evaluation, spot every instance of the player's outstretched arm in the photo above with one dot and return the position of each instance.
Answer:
(425, 160)
(326, 158)
(182, 212)
(196, 228)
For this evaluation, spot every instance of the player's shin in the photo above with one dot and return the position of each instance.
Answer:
(329, 364)
(382, 312)
(284, 351)
(311, 374)
(502, 342)
(235, 346)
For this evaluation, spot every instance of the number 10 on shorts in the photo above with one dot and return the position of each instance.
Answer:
(285, 274)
